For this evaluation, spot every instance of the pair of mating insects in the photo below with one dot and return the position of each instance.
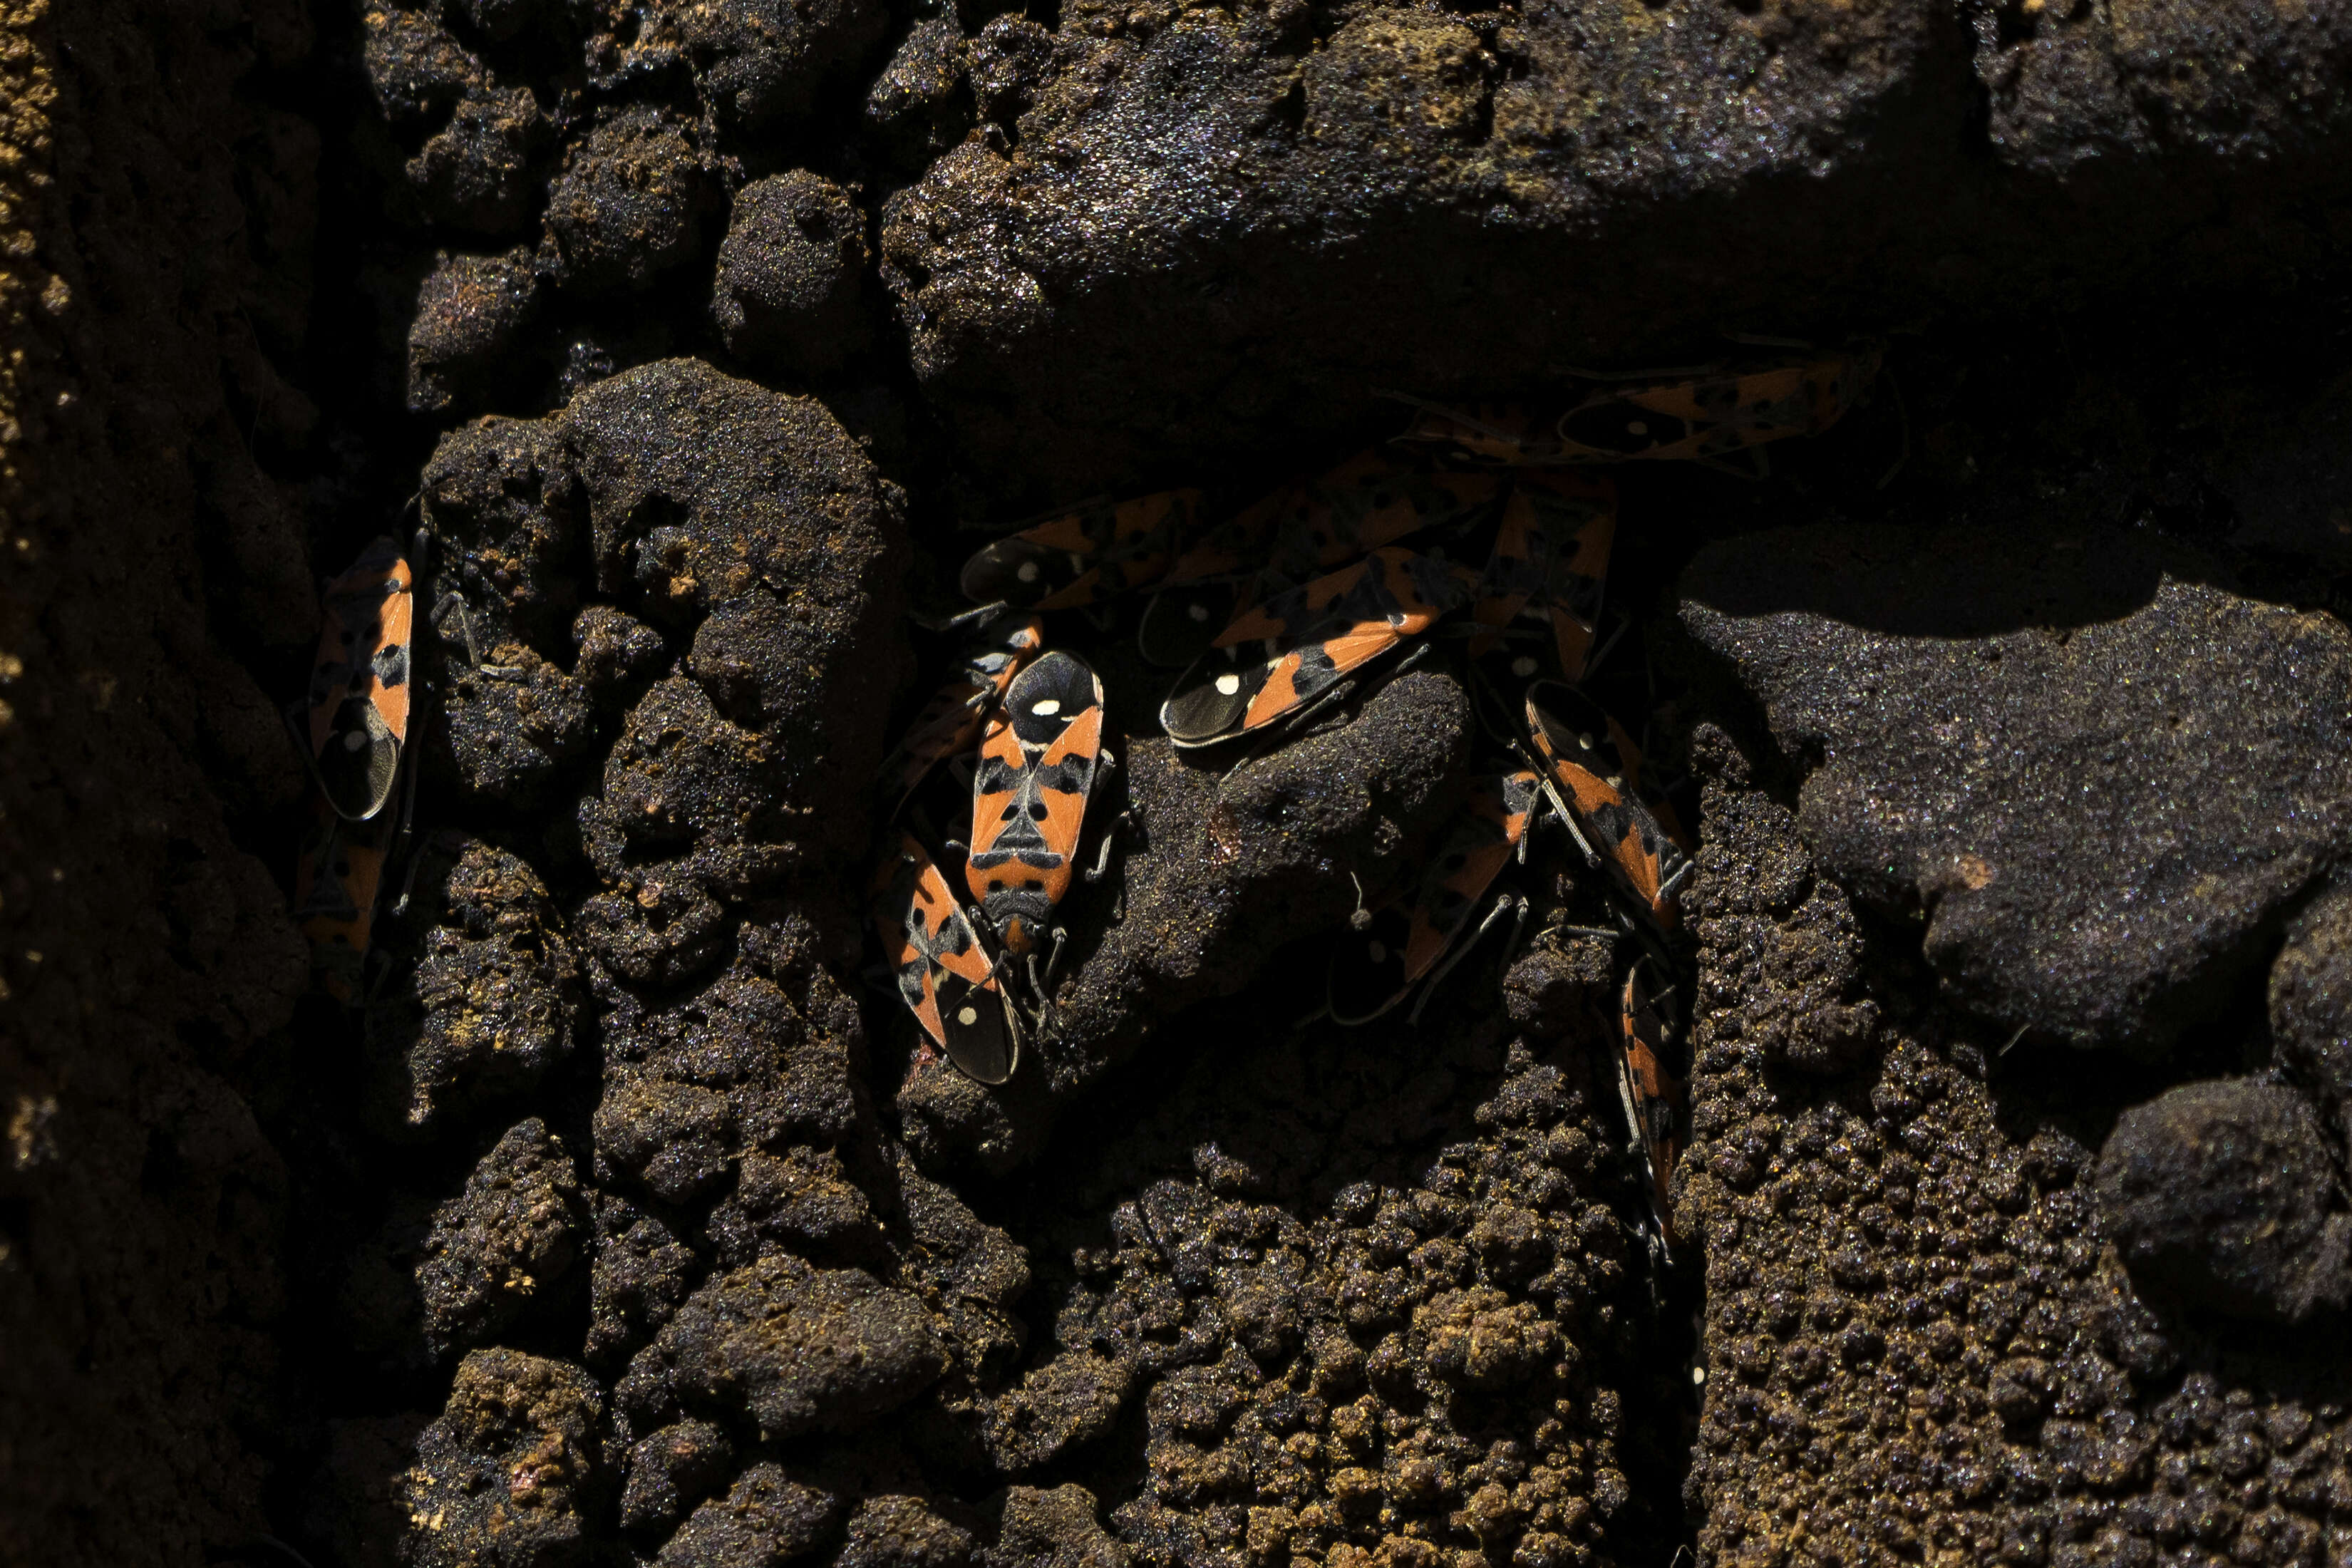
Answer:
(1273, 613)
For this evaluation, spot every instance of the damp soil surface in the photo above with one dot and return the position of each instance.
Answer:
(626, 1217)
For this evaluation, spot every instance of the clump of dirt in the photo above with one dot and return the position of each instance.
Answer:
(1918, 1337)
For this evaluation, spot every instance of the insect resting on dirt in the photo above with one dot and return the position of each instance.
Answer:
(358, 708)
(943, 971)
(1038, 761)
(1003, 641)
(352, 729)
(1656, 1107)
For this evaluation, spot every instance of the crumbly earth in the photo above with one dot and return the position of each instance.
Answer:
(1921, 1341)
(626, 1222)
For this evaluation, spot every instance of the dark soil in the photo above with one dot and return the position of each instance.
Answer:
(625, 1222)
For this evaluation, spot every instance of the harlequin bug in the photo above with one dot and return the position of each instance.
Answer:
(1715, 414)
(1653, 1097)
(1301, 531)
(1700, 415)
(944, 972)
(337, 879)
(359, 698)
(1312, 635)
(953, 719)
(1374, 968)
(1037, 766)
(1576, 517)
(1596, 793)
(1080, 557)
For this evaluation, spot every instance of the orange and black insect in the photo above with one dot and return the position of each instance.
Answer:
(1374, 969)
(944, 972)
(1306, 638)
(1575, 517)
(337, 879)
(1585, 753)
(1655, 1104)
(1299, 533)
(953, 719)
(1037, 766)
(360, 691)
(1080, 557)
(1698, 414)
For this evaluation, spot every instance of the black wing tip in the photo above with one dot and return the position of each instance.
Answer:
(988, 1049)
(993, 575)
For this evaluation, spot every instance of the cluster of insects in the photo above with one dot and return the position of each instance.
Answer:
(1478, 535)
(1484, 531)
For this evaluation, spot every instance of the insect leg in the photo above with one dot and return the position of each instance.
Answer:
(1101, 867)
(1462, 950)
(1559, 809)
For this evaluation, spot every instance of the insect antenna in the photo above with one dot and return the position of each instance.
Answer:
(1503, 906)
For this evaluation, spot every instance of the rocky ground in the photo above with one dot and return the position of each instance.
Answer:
(626, 1225)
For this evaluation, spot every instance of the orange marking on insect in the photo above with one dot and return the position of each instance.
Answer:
(1569, 730)
(1473, 852)
(337, 876)
(1700, 416)
(1656, 1103)
(1037, 766)
(1080, 557)
(1576, 516)
(953, 719)
(359, 698)
(1315, 635)
(1311, 526)
(945, 976)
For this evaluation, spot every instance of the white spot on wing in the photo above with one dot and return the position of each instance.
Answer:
(968, 1015)
(1227, 685)
(1046, 707)
(1026, 571)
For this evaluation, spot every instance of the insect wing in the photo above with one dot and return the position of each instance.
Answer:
(1500, 432)
(953, 719)
(1094, 554)
(1709, 416)
(1037, 766)
(1237, 545)
(1644, 422)
(1516, 569)
(1471, 855)
(1367, 502)
(1313, 635)
(943, 972)
(360, 691)
(1178, 624)
(1586, 762)
(1367, 976)
(1654, 1097)
(1576, 517)
(337, 878)
(1838, 383)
